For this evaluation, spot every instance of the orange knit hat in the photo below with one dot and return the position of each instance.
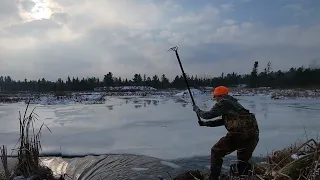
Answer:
(220, 90)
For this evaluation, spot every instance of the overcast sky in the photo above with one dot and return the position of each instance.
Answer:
(57, 38)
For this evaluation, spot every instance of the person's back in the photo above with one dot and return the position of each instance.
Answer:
(236, 118)
(243, 131)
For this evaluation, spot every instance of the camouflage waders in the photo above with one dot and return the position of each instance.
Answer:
(228, 144)
(243, 133)
(242, 137)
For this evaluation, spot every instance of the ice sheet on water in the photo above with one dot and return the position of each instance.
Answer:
(167, 131)
(164, 129)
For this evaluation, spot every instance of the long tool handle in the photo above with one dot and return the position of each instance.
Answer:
(175, 49)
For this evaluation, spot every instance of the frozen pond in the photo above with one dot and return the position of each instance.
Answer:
(161, 127)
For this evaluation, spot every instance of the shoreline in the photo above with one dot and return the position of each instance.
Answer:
(93, 97)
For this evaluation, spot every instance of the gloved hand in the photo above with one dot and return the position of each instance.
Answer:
(195, 108)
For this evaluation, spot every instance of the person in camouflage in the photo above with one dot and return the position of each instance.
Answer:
(242, 127)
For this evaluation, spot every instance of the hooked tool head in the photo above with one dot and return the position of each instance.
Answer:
(173, 49)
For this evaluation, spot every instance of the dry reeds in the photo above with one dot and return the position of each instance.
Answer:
(302, 167)
(30, 145)
(28, 150)
(298, 162)
(4, 160)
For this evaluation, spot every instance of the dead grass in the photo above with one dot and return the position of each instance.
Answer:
(28, 151)
(281, 165)
(4, 160)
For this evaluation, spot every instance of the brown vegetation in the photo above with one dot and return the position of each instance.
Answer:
(298, 162)
(28, 151)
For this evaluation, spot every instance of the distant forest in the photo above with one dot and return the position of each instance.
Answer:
(293, 78)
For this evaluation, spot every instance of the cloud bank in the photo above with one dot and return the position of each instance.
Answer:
(57, 38)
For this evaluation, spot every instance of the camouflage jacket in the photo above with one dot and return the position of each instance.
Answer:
(235, 117)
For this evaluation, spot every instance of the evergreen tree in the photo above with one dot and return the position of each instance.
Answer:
(254, 75)
(155, 81)
(137, 79)
(164, 81)
(294, 77)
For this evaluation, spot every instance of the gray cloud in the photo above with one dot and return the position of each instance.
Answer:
(60, 17)
(7, 8)
(33, 28)
(9, 12)
(91, 39)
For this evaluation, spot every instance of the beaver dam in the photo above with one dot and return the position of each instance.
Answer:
(154, 137)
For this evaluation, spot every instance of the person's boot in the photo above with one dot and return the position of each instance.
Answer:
(244, 168)
(212, 177)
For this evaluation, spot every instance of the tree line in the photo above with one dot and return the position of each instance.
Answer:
(293, 78)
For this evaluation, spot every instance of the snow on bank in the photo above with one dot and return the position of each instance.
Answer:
(126, 88)
(193, 92)
(277, 93)
(142, 94)
(73, 98)
(149, 92)
(184, 96)
(141, 88)
(293, 94)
